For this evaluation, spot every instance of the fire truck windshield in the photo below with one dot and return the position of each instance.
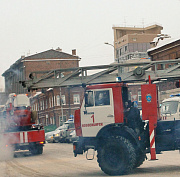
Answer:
(169, 107)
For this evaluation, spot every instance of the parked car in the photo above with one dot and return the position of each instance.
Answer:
(57, 133)
(72, 137)
(49, 136)
(64, 133)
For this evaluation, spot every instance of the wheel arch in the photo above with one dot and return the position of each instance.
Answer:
(113, 130)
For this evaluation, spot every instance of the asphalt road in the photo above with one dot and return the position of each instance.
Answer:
(58, 160)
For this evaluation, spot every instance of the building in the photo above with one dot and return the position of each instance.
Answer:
(130, 46)
(57, 105)
(165, 48)
(54, 105)
(132, 42)
(44, 61)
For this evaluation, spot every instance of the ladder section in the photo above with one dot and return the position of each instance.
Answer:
(139, 72)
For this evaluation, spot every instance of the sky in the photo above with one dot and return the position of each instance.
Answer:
(33, 26)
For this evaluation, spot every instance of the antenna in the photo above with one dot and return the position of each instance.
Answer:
(143, 24)
(124, 21)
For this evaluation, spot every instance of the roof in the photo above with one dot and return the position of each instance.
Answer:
(137, 28)
(49, 54)
(162, 43)
(172, 99)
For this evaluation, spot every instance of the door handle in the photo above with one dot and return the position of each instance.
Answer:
(110, 115)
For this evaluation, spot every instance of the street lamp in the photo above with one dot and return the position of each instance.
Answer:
(109, 44)
(113, 47)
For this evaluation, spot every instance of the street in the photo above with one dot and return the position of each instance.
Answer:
(58, 160)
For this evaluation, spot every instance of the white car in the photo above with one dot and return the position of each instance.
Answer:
(72, 137)
(49, 135)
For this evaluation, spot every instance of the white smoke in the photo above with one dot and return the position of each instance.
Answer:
(1, 84)
(6, 151)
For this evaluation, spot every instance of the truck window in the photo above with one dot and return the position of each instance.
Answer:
(89, 99)
(169, 107)
(102, 98)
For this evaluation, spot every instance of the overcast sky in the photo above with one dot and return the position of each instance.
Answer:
(30, 26)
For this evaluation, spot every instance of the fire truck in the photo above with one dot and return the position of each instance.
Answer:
(106, 124)
(20, 131)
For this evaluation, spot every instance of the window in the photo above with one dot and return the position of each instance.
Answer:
(139, 96)
(50, 102)
(102, 98)
(55, 101)
(117, 53)
(169, 107)
(51, 120)
(46, 104)
(58, 100)
(40, 105)
(129, 95)
(89, 99)
(76, 99)
(134, 39)
(125, 48)
(46, 119)
(63, 100)
(120, 52)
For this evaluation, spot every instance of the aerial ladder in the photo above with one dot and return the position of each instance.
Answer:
(104, 127)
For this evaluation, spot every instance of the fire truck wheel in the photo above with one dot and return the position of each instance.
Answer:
(36, 149)
(140, 159)
(116, 156)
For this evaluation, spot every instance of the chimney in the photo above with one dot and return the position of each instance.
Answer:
(59, 49)
(74, 52)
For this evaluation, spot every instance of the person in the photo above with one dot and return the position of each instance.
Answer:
(102, 98)
(133, 117)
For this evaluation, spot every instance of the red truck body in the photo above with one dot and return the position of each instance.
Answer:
(21, 132)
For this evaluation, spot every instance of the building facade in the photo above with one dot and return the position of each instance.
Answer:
(54, 105)
(57, 105)
(165, 48)
(44, 61)
(132, 42)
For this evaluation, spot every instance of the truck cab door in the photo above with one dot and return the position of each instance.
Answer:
(97, 111)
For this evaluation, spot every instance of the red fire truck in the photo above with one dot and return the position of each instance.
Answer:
(20, 131)
(108, 124)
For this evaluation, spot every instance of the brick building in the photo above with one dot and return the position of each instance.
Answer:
(53, 106)
(57, 105)
(44, 61)
(165, 48)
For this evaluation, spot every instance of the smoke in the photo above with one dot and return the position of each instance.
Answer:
(1, 84)
(6, 151)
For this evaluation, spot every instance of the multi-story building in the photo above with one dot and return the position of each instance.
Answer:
(130, 46)
(44, 61)
(57, 105)
(53, 105)
(132, 42)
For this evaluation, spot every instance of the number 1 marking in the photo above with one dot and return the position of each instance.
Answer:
(92, 117)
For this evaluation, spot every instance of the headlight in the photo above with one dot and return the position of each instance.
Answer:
(57, 134)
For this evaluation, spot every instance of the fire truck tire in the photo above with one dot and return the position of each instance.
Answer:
(36, 149)
(116, 156)
(140, 159)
